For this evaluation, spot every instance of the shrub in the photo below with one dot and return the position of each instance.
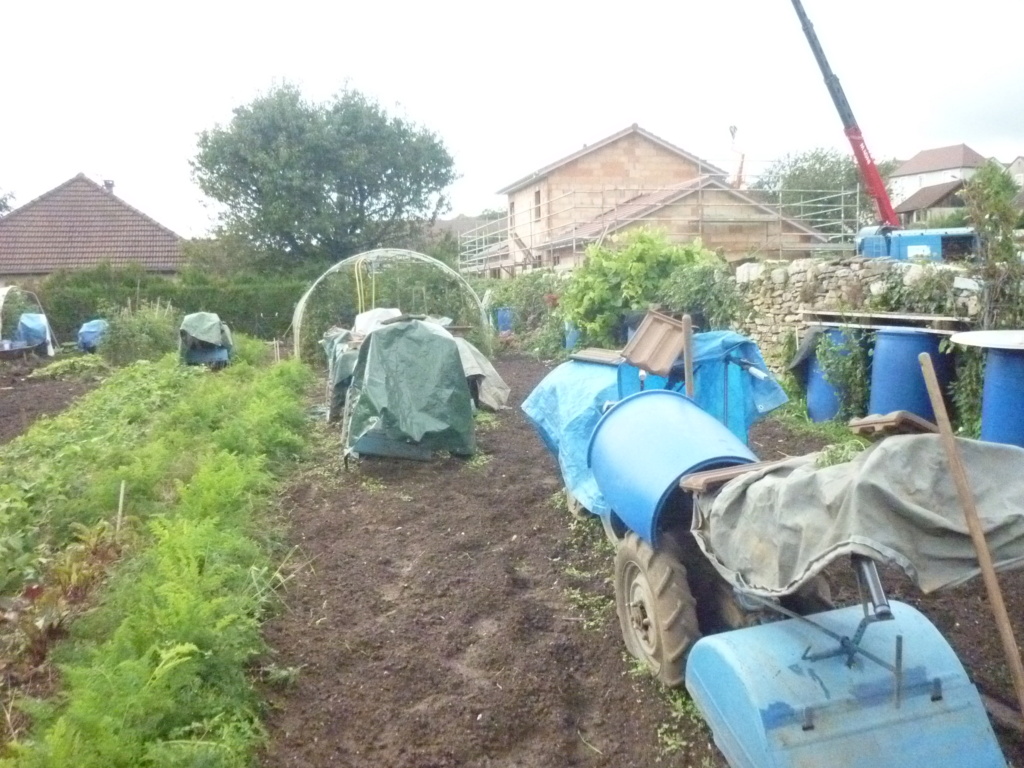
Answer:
(144, 332)
(707, 292)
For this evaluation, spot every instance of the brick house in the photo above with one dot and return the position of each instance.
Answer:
(82, 224)
(627, 180)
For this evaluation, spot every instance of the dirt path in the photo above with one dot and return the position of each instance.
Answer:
(432, 627)
(23, 400)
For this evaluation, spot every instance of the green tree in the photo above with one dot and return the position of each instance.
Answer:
(6, 198)
(307, 183)
(989, 196)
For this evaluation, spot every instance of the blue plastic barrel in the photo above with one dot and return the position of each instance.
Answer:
(503, 316)
(823, 400)
(629, 380)
(645, 443)
(897, 383)
(1002, 399)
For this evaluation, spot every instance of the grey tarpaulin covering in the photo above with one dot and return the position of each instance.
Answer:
(772, 530)
(206, 327)
(493, 391)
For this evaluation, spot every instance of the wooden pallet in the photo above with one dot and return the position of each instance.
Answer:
(702, 482)
(895, 423)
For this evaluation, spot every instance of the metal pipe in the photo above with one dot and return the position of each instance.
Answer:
(867, 576)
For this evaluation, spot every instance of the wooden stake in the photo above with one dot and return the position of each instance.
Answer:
(688, 354)
(963, 489)
(120, 510)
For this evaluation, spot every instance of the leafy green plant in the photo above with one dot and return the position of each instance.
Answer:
(966, 390)
(707, 292)
(627, 275)
(75, 367)
(844, 365)
(146, 331)
(931, 292)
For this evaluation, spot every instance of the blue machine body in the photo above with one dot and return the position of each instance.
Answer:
(927, 244)
(206, 355)
(645, 443)
(897, 383)
(770, 707)
(1002, 398)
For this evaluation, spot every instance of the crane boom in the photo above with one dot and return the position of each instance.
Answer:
(868, 170)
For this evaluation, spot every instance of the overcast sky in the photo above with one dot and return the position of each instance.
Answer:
(119, 90)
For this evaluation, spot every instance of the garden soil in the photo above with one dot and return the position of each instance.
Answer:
(23, 400)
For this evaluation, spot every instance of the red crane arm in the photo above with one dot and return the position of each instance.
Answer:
(872, 178)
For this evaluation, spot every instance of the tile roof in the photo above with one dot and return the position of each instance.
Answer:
(926, 197)
(637, 208)
(941, 159)
(79, 225)
(547, 169)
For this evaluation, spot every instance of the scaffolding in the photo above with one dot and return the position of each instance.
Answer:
(783, 224)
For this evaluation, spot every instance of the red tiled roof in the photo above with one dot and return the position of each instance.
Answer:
(941, 159)
(704, 165)
(926, 197)
(79, 225)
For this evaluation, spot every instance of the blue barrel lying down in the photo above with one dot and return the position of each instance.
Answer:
(771, 706)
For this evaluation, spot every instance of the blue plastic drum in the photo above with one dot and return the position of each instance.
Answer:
(1002, 400)
(823, 399)
(897, 383)
(503, 316)
(645, 443)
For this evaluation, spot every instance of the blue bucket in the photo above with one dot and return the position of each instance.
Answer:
(645, 443)
(1002, 399)
(823, 399)
(503, 317)
(897, 383)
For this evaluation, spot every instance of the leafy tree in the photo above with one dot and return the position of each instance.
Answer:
(6, 198)
(989, 195)
(627, 276)
(307, 183)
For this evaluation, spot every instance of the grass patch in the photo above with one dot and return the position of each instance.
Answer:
(478, 460)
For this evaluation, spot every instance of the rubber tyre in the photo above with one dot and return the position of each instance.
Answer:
(656, 611)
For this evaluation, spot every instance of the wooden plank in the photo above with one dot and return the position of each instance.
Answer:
(866, 326)
(598, 355)
(884, 315)
(701, 482)
(895, 423)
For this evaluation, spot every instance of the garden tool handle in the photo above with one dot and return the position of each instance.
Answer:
(963, 489)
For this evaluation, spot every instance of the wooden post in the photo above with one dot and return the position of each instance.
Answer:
(688, 354)
(963, 489)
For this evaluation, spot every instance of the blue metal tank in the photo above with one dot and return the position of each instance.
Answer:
(645, 443)
(1002, 401)
(897, 383)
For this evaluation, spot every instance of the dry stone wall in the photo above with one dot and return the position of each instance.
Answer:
(778, 291)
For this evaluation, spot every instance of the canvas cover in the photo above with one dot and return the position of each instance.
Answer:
(770, 531)
(205, 327)
(408, 388)
(492, 390)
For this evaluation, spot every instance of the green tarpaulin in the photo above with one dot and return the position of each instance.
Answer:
(205, 327)
(409, 391)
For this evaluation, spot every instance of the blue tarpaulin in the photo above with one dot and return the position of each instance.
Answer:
(567, 404)
(90, 334)
(32, 329)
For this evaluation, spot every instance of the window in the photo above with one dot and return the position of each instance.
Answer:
(536, 205)
(556, 259)
(511, 213)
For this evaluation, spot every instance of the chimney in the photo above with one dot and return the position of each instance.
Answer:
(108, 184)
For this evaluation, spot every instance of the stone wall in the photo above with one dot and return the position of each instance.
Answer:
(777, 291)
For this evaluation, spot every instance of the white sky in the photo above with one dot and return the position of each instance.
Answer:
(119, 90)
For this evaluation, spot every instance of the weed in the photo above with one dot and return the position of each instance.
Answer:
(372, 485)
(77, 367)
(840, 453)
(478, 460)
(485, 420)
(595, 608)
(280, 677)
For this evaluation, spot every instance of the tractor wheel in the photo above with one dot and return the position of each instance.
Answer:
(655, 607)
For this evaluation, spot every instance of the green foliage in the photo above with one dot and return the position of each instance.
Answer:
(989, 195)
(966, 390)
(308, 183)
(957, 218)
(143, 332)
(707, 292)
(931, 292)
(15, 303)
(74, 367)
(627, 275)
(537, 323)
(840, 453)
(845, 366)
(6, 198)
(157, 675)
(257, 304)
